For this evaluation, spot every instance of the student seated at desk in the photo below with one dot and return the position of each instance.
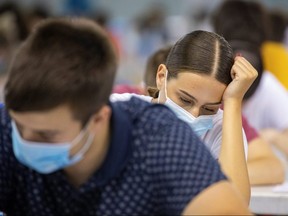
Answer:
(66, 150)
(199, 74)
(264, 167)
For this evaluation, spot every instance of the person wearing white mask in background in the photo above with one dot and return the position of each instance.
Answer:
(200, 74)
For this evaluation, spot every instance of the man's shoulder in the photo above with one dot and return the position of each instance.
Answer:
(5, 134)
(137, 109)
(156, 123)
(4, 118)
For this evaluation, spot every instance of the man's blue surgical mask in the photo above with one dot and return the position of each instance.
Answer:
(46, 158)
(200, 125)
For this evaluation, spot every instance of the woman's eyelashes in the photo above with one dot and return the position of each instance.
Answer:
(210, 110)
(205, 110)
(186, 101)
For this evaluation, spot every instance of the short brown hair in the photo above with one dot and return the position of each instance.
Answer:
(64, 61)
(157, 58)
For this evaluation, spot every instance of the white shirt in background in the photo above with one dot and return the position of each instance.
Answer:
(268, 106)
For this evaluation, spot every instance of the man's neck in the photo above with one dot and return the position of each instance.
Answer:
(79, 173)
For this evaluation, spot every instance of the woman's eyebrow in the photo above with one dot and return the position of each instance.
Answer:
(193, 98)
(188, 95)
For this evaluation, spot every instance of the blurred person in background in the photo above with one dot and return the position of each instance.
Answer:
(152, 30)
(102, 18)
(35, 15)
(13, 31)
(264, 167)
(267, 101)
(126, 88)
(275, 54)
(155, 59)
(19, 30)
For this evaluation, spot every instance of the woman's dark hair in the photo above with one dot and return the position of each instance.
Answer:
(204, 53)
(201, 52)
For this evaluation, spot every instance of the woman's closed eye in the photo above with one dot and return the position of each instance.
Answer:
(185, 101)
(211, 110)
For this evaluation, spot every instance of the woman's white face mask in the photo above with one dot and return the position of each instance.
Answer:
(200, 125)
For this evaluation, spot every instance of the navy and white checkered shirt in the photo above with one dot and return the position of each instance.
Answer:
(155, 165)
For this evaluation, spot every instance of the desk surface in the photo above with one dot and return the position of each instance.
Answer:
(264, 200)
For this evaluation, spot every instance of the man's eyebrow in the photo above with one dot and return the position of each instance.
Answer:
(46, 132)
(40, 132)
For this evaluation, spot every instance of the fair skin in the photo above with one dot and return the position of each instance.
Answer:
(202, 95)
(277, 138)
(263, 165)
(228, 197)
(46, 127)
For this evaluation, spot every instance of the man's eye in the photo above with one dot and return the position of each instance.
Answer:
(46, 137)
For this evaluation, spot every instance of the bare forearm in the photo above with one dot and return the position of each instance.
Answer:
(264, 166)
(278, 138)
(263, 172)
(232, 154)
(208, 202)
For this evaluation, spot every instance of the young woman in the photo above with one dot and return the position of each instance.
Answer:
(264, 167)
(199, 75)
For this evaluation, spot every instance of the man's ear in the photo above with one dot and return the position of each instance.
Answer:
(161, 76)
(103, 115)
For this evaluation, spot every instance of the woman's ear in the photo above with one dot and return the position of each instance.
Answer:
(161, 76)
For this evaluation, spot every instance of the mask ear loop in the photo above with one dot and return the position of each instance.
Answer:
(86, 145)
(165, 88)
(79, 137)
(84, 149)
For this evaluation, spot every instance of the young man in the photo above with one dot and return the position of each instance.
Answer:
(72, 152)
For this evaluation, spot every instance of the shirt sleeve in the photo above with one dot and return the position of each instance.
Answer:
(213, 139)
(278, 102)
(6, 159)
(183, 167)
(267, 107)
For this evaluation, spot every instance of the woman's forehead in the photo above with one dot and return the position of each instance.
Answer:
(203, 87)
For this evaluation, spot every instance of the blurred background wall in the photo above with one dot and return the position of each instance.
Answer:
(137, 28)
